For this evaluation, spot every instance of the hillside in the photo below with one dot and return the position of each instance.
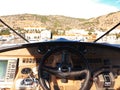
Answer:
(50, 22)
(105, 22)
(55, 22)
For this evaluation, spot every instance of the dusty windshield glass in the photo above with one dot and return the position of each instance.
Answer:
(81, 20)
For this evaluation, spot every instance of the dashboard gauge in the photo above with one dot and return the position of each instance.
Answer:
(26, 70)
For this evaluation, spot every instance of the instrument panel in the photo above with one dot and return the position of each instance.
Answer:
(27, 59)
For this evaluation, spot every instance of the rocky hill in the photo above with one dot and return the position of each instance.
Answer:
(55, 22)
(105, 22)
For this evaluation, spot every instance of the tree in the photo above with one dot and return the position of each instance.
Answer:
(5, 32)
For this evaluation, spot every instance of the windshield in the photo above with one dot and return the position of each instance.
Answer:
(58, 19)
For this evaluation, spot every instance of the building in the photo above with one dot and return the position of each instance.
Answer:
(34, 29)
(37, 34)
(45, 35)
(76, 32)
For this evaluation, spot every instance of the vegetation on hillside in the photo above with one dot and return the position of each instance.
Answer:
(5, 32)
(55, 22)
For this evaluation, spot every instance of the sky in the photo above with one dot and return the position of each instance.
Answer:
(71, 8)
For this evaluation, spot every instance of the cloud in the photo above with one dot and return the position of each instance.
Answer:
(73, 8)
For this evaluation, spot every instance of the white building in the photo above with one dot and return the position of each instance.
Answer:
(115, 31)
(34, 29)
(45, 35)
(37, 33)
(76, 32)
(32, 36)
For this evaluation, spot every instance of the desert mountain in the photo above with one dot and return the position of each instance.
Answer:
(55, 22)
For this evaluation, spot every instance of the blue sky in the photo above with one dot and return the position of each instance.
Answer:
(115, 3)
(72, 8)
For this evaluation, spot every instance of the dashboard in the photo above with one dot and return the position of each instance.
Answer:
(19, 65)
